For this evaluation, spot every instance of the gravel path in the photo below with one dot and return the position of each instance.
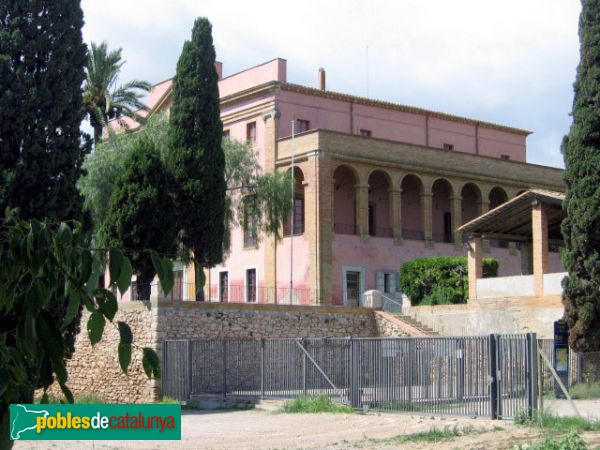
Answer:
(261, 429)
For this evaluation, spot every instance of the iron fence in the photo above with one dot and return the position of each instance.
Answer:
(345, 228)
(239, 293)
(472, 375)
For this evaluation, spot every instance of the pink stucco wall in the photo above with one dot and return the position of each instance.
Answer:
(381, 255)
(383, 123)
(274, 70)
(349, 115)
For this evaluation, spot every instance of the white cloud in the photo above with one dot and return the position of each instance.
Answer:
(511, 62)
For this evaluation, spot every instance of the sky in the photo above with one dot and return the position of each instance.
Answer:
(511, 62)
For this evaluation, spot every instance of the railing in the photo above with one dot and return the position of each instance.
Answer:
(391, 305)
(243, 294)
(442, 237)
(413, 235)
(345, 228)
(489, 376)
(382, 232)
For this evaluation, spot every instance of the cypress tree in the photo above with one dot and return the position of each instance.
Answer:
(196, 157)
(42, 59)
(141, 212)
(581, 228)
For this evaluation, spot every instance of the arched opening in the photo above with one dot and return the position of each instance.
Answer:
(471, 199)
(344, 201)
(412, 217)
(296, 218)
(379, 205)
(497, 197)
(442, 211)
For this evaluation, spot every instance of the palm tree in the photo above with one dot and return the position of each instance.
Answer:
(103, 100)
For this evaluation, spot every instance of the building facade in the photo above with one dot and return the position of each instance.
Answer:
(376, 184)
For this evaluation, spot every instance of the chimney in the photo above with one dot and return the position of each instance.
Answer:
(219, 69)
(321, 79)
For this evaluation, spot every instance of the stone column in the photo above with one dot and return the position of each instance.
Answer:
(456, 221)
(362, 210)
(332, 206)
(395, 196)
(474, 265)
(539, 225)
(427, 210)
(323, 192)
(271, 120)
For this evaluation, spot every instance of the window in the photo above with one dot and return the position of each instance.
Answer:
(250, 223)
(224, 287)
(353, 290)
(365, 133)
(302, 125)
(298, 217)
(251, 285)
(226, 134)
(448, 146)
(372, 224)
(387, 282)
(505, 156)
(177, 292)
(251, 132)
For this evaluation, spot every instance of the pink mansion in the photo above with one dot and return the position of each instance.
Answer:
(376, 184)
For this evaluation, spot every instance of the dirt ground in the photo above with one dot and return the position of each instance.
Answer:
(262, 429)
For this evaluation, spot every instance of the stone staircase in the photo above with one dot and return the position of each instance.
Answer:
(416, 324)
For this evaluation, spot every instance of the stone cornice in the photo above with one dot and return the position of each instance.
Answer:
(423, 160)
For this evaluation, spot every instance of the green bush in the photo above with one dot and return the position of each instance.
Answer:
(585, 390)
(166, 400)
(440, 280)
(314, 404)
(89, 399)
(569, 441)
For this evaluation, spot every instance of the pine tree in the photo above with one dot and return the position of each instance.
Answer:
(141, 212)
(581, 228)
(196, 157)
(42, 60)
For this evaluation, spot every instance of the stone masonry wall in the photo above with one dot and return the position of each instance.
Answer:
(95, 370)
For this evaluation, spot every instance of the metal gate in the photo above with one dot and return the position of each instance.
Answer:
(493, 376)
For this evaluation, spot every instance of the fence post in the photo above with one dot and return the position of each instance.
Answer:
(262, 368)
(493, 382)
(165, 367)
(224, 367)
(354, 374)
(304, 366)
(460, 369)
(410, 370)
(190, 370)
(532, 375)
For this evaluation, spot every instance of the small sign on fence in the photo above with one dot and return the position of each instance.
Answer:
(561, 354)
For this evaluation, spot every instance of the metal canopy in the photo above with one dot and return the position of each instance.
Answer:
(511, 221)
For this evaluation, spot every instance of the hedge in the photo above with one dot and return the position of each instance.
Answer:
(440, 280)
